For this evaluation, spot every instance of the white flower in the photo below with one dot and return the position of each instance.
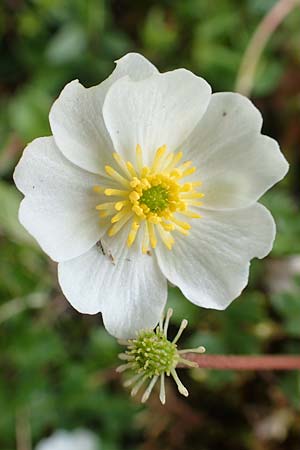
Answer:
(115, 195)
(79, 439)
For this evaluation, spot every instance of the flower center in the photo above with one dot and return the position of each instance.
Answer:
(153, 198)
(156, 198)
(152, 354)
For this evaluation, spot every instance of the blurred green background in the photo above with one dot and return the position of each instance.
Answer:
(57, 366)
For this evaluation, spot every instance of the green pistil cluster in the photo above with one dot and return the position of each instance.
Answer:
(151, 357)
(156, 198)
(152, 354)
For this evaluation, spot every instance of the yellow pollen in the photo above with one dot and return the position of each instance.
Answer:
(150, 199)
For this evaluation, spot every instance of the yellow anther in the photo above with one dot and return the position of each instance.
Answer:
(118, 225)
(176, 173)
(138, 210)
(187, 172)
(134, 196)
(115, 192)
(135, 182)
(186, 187)
(121, 204)
(154, 219)
(167, 226)
(119, 215)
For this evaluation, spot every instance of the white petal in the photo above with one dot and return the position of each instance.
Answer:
(59, 207)
(235, 162)
(125, 285)
(76, 116)
(162, 109)
(211, 265)
(136, 66)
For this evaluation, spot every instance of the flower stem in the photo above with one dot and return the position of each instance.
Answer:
(230, 362)
(263, 32)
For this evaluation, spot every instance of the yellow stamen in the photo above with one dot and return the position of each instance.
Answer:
(158, 156)
(131, 169)
(184, 225)
(116, 176)
(187, 172)
(119, 160)
(190, 214)
(109, 205)
(120, 215)
(168, 160)
(117, 226)
(146, 240)
(185, 165)
(193, 203)
(121, 204)
(150, 197)
(182, 231)
(166, 237)
(139, 157)
(132, 234)
(116, 192)
(168, 226)
(191, 195)
(186, 187)
(152, 235)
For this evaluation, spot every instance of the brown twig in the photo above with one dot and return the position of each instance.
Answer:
(229, 362)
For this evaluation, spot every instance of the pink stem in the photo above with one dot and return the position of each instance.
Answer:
(266, 362)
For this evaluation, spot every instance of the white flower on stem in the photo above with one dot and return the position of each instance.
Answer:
(148, 177)
(79, 439)
(150, 357)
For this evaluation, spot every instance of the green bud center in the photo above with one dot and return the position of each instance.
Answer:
(156, 198)
(152, 354)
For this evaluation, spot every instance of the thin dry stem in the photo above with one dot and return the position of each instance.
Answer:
(262, 34)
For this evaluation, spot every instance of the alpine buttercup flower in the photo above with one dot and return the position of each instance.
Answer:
(79, 439)
(148, 177)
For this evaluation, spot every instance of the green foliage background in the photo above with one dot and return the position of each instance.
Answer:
(57, 366)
